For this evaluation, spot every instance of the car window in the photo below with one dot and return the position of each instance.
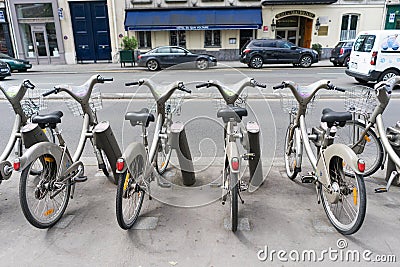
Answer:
(339, 45)
(163, 50)
(269, 43)
(177, 50)
(284, 44)
(257, 44)
(364, 43)
(348, 44)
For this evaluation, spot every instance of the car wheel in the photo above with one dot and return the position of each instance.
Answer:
(256, 62)
(202, 64)
(152, 65)
(305, 61)
(346, 62)
(2, 78)
(386, 75)
(23, 70)
(361, 81)
(335, 64)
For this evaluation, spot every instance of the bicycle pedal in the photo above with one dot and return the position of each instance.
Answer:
(380, 190)
(243, 186)
(308, 179)
(248, 156)
(79, 179)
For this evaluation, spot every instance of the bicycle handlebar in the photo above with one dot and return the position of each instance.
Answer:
(53, 91)
(103, 79)
(203, 85)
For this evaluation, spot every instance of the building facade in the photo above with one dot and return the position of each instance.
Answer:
(74, 31)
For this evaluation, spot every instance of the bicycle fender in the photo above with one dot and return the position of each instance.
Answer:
(233, 152)
(130, 152)
(41, 149)
(340, 150)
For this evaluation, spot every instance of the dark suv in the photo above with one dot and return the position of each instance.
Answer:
(273, 51)
(340, 55)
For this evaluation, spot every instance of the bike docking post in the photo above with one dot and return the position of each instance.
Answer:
(255, 165)
(178, 141)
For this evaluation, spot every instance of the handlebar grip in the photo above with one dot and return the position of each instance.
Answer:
(108, 79)
(340, 89)
(49, 92)
(280, 86)
(202, 85)
(261, 85)
(131, 83)
(186, 90)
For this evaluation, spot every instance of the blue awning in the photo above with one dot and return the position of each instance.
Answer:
(193, 19)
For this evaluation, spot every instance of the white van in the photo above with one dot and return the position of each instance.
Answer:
(375, 56)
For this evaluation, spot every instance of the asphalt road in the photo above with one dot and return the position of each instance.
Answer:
(281, 215)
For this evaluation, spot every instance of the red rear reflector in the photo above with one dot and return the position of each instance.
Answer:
(139, 56)
(246, 51)
(361, 165)
(373, 58)
(120, 164)
(235, 164)
(17, 164)
(341, 51)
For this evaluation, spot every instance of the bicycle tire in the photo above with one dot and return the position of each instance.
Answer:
(106, 168)
(357, 192)
(164, 152)
(370, 150)
(127, 183)
(288, 153)
(234, 202)
(50, 216)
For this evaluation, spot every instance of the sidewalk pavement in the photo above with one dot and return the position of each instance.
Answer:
(102, 67)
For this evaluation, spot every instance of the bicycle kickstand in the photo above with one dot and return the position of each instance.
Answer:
(393, 175)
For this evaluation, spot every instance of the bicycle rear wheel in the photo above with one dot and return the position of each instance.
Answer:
(231, 180)
(130, 194)
(290, 154)
(347, 211)
(43, 199)
(370, 149)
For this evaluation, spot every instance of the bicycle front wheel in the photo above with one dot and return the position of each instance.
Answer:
(345, 208)
(290, 154)
(163, 156)
(234, 201)
(370, 149)
(130, 194)
(43, 199)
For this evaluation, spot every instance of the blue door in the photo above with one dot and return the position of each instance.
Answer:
(91, 30)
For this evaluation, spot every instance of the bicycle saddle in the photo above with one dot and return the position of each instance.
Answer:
(335, 118)
(142, 117)
(232, 113)
(50, 119)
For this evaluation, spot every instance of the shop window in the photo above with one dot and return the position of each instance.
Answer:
(349, 27)
(144, 39)
(27, 40)
(177, 38)
(52, 39)
(212, 38)
(26, 11)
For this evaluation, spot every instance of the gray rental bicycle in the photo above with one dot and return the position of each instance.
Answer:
(343, 197)
(44, 195)
(234, 131)
(139, 163)
(26, 102)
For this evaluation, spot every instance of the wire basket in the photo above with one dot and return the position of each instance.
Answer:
(220, 103)
(172, 106)
(290, 105)
(95, 103)
(31, 103)
(360, 100)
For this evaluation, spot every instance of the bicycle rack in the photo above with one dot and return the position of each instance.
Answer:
(178, 141)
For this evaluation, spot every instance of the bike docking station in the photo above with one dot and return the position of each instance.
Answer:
(178, 141)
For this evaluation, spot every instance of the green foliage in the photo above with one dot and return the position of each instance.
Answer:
(129, 43)
(317, 47)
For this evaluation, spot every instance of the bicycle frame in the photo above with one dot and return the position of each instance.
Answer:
(298, 130)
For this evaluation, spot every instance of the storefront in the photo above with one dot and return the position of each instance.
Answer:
(392, 17)
(218, 31)
(37, 31)
(5, 38)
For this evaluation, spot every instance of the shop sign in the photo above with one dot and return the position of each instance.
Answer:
(392, 16)
(295, 12)
(191, 28)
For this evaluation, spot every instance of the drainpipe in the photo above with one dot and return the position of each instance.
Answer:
(115, 26)
(384, 15)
